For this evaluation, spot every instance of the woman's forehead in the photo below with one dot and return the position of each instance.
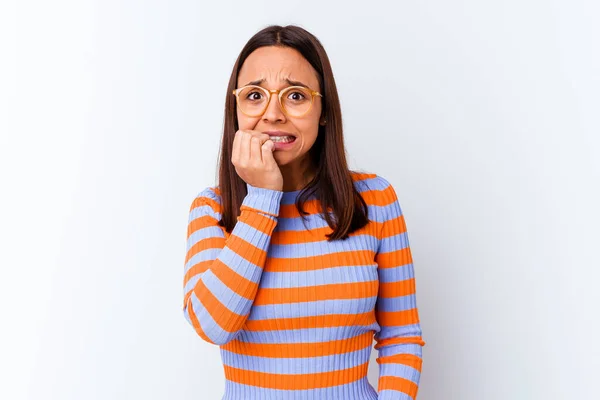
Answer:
(276, 67)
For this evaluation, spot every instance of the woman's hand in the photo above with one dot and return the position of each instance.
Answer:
(253, 159)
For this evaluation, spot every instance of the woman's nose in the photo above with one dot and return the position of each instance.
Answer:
(273, 111)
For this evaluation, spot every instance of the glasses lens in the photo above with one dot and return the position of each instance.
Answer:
(252, 100)
(296, 100)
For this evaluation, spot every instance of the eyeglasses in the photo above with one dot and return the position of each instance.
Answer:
(295, 101)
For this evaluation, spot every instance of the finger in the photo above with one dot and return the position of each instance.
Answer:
(245, 146)
(264, 138)
(256, 154)
(235, 154)
(267, 150)
(257, 150)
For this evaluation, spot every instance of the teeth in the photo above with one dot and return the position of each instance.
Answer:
(282, 138)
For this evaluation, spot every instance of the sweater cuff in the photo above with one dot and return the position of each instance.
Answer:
(264, 200)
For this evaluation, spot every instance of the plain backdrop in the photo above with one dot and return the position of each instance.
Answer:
(484, 115)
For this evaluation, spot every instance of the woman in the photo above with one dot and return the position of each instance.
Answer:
(294, 295)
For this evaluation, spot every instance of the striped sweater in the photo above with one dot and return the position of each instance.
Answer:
(294, 315)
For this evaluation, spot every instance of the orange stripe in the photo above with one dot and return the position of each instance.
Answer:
(229, 277)
(410, 360)
(398, 384)
(261, 223)
(319, 321)
(204, 244)
(312, 206)
(399, 340)
(236, 242)
(334, 291)
(394, 226)
(396, 289)
(186, 297)
(316, 262)
(225, 318)
(398, 318)
(300, 350)
(374, 198)
(296, 381)
(234, 281)
(195, 322)
(199, 268)
(202, 222)
(248, 251)
(395, 258)
(203, 200)
(208, 220)
(356, 176)
(316, 235)
(361, 176)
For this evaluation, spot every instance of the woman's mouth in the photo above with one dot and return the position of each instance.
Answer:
(283, 142)
(283, 139)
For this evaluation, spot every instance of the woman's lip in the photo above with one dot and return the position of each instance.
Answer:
(279, 133)
(284, 145)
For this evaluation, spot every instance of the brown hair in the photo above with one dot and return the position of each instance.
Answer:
(333, 182)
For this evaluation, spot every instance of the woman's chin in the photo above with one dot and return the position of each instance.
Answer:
(281, 158)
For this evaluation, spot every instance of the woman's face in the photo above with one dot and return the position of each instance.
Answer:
(275, 66)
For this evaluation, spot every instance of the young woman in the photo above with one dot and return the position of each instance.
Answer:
(294, 263)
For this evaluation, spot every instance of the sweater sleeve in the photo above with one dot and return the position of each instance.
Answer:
(398, 342)
(221, 274)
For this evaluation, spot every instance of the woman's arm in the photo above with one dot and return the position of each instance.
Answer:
(222, 275)
(399, 342)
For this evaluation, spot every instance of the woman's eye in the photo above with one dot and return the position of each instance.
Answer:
(251, 94)
(299, 96)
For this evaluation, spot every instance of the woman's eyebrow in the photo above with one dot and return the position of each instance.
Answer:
(289, 81)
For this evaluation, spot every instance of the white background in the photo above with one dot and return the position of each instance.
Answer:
(484, 115)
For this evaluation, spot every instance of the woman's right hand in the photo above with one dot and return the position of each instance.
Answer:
(253, 159)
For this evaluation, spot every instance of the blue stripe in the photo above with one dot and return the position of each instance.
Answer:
(324, 276)
(390, 394)
(191, 283)
(234, 391)
(201, 211)
(208, 324)
(393, 243)
(312, 308)
(396, 274)
(405, 348)
(206, 232)
(400, 370)
(230, 258)
(400, 303)
(224, 294)
(313, 249)
(388, 332)
(203, 255)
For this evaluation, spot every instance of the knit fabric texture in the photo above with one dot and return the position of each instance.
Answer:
(296, 316)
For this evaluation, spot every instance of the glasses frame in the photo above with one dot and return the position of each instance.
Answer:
(279, 92)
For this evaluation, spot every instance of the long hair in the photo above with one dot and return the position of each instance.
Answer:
(333, 182)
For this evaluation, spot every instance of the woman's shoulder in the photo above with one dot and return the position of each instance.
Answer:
(371, 182)
(378, 192)
(209, 195)
(210, 192)
(373, 186)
